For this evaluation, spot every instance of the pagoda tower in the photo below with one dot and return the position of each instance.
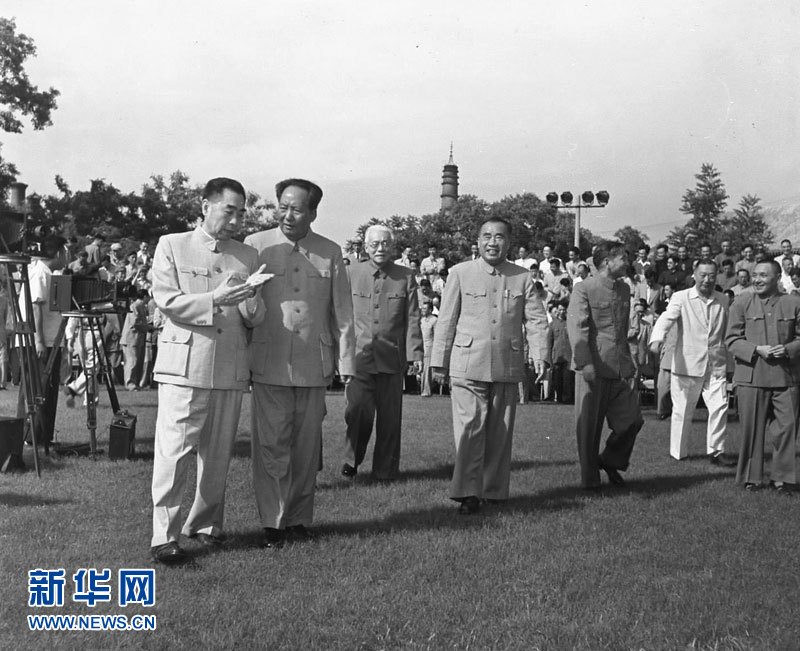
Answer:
(449, 184)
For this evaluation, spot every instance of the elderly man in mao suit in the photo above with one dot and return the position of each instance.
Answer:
(699, 362)
(478, 339)
(764, 337)
(306, 335)
(597, 323)
(205, 284)
(388, 337)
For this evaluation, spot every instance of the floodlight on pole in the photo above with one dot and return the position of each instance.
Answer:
(588, 199)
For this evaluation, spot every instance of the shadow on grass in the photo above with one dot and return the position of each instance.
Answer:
(445, 516)
(17, 499)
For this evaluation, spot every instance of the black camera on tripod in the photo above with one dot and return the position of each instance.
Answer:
(69, 292)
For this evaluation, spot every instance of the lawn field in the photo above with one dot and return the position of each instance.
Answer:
(681, 558)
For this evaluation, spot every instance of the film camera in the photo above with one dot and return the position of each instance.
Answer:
(90, 294)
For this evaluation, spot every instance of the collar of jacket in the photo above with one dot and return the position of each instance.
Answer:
(302, 245)
(212, 244)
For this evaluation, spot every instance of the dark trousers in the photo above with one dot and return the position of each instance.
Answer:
(47, 413)
(605, 399)
(366, 394)
(761, 410)
(562, 385)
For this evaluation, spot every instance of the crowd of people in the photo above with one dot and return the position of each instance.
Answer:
(286, 312)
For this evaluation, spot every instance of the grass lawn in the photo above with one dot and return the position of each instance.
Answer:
(681, 558)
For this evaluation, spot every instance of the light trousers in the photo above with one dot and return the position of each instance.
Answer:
(190, 419)
(685, 392)
(483, 425)
(287, 449)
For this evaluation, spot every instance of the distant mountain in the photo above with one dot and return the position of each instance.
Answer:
(784, 220)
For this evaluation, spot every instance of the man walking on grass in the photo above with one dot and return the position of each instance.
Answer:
(487, 305)
(597, 323)
(699, 362)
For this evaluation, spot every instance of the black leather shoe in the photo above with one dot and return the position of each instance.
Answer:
(207, 539)
(613, 475)
(721, 460)
(663, 416)
(752, 488)
(169, 554)
(784, 489)
(469, 505)
(274, 538)
(348, 471)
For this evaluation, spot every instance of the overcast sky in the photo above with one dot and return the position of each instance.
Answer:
(365, 98)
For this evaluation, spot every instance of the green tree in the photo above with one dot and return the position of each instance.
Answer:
(632, 237)
(747, 225)
(706, 205)
(18, 96)
(259, 215)
(168, 205)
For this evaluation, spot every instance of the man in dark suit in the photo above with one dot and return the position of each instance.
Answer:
(597, 323)
(764, 337)
(386, 314)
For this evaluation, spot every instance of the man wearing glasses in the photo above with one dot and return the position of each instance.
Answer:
(386, 313)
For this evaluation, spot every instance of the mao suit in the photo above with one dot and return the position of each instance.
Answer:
(699, 365)
(307, 334)
(597, 324)
(202, 371)
(479, 339)
(767, 390)
(387, 329)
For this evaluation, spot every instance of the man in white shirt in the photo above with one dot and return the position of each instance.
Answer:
(699, 363)
(786, 252)
(405, 259)
(544, 265)
(523, 258)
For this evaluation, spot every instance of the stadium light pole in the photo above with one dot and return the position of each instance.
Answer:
(587, 200)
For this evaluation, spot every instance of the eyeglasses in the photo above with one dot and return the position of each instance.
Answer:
(375, 245)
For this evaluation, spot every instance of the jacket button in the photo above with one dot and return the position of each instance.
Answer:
(174, 337)
(219, 331)
(218, 270)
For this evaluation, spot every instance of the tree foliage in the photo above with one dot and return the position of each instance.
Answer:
(18, 96)
(534, 224)
(706, 204)
(632, 237)
(747, 225)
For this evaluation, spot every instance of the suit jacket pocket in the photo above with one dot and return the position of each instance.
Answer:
(459, 358)
(173, 352)
(194, 280)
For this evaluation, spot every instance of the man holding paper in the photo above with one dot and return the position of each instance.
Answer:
(206, 285)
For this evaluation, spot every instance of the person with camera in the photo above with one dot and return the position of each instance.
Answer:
(50, 259)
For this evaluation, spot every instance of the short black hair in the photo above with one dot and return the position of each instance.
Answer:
(607, 249)
(650, 274)
(727, 262)
(220, 184)
(775, 266)
(707, 261)
(498, 220)
(52, 245)
(314, 191)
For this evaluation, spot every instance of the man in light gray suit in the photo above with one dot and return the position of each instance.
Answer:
(699, 363)
(206, 285)
(487, 305)
(306, 335)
